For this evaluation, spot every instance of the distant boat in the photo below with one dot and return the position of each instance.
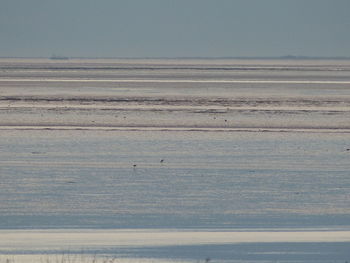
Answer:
(55, 57)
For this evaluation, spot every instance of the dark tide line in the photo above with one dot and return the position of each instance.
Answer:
(177, 128)
(180, 101)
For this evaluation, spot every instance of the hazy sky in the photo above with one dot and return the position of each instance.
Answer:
(173, 28)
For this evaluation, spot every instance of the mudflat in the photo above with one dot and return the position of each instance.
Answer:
(215, 151)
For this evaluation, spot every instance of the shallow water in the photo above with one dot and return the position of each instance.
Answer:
(86, 179)
(255, 183)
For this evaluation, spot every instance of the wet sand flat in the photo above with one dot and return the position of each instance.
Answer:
(175, 93)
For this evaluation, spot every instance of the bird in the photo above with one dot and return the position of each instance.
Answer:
(162, 160)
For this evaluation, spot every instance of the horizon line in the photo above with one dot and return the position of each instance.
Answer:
(290, 57)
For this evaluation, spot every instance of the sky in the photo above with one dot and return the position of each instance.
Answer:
(174, 28)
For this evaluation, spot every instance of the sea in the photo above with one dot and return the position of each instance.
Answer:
(174, 160)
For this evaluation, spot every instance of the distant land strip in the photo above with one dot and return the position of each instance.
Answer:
(177, 81)
(286, 57)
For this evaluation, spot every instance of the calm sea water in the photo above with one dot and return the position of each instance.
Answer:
(223, 153)
(85, 179)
